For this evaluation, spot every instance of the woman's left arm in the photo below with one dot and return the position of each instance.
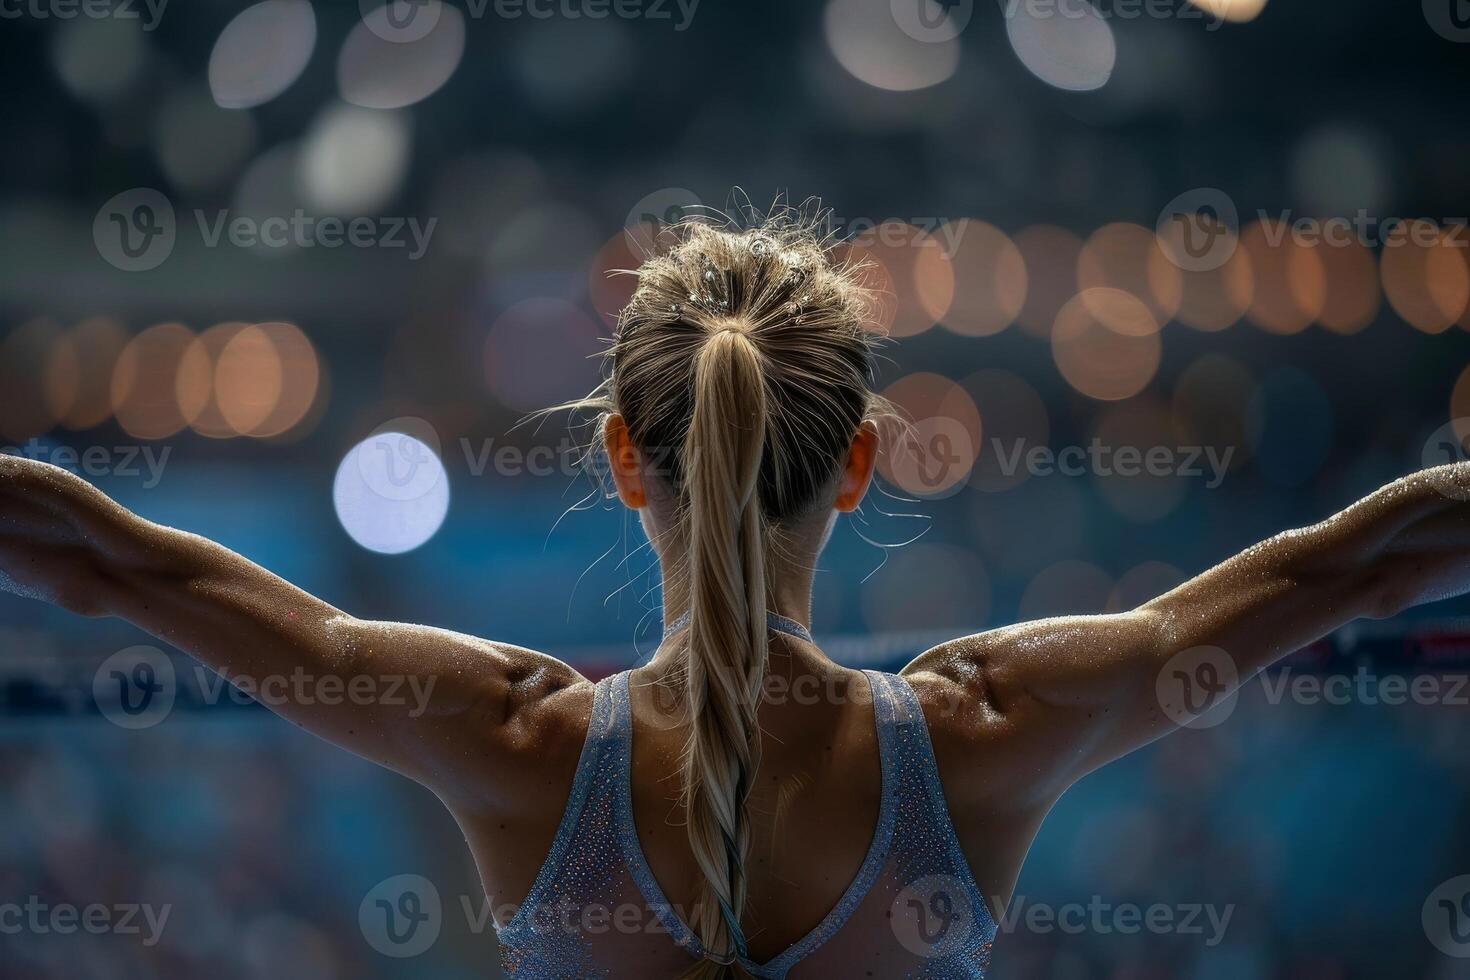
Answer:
(1064, 696)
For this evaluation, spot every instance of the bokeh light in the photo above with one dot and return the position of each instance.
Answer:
(1106, 357)
(988, 278)
(354, 159)
(1237, 11)
(380, 69)
(391, 492)
(934, 454)
(918, 272)
(1127, 257)
(1425, 276)
(1065, 43)
(866, 39)
(78, 372)
(145, 395)
(261, 52)
(1212, 297)
(1351, 296)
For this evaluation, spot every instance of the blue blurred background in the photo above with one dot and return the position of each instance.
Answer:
(182, 321)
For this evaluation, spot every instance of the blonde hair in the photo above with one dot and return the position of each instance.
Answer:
(743, 363)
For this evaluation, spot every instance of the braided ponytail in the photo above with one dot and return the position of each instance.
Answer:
(727, 641)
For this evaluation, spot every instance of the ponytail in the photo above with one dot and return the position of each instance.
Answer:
(727, 638)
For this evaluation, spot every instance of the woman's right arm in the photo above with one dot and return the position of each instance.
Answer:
(443, 708)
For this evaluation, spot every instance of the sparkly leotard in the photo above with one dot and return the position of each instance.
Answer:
(595, 910)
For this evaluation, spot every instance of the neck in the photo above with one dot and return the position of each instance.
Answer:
(789, 595)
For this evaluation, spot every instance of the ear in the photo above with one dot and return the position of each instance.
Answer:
(625, 462)
(857, 471)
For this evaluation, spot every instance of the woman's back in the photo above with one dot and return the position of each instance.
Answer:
(854, 866)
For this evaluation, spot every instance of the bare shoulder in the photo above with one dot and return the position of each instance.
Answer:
(521, 720)
(979, 724)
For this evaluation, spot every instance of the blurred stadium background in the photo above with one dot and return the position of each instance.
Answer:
(1012, 172)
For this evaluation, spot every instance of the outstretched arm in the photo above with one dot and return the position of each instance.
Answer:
(429, 703)
(1063, 696)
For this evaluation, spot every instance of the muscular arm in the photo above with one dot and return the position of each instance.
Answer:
(454, 699)
(1060, 697)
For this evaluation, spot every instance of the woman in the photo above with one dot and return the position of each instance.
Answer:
(701, 815)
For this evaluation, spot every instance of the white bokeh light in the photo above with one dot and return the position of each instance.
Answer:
(869, 42)
(353, 159)
(391, 492)
(1065, 43)
(380, 70)
(261, 52)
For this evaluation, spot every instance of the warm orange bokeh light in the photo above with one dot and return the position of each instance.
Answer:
(1099, 360)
